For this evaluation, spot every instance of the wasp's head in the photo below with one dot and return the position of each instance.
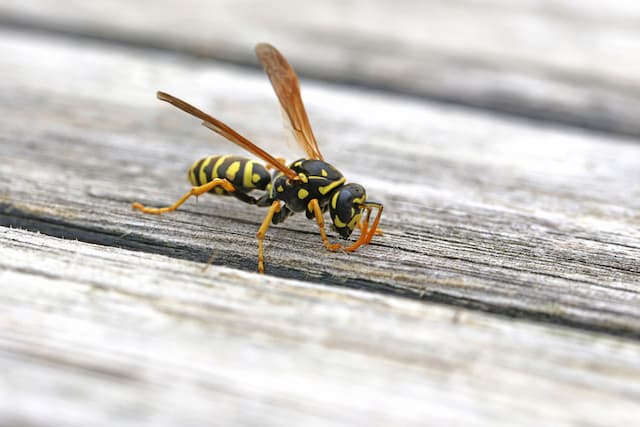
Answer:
(345, 208)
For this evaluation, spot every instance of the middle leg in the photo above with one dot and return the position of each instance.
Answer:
(274, 209)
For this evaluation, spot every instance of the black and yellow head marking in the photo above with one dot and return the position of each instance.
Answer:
(345, 208)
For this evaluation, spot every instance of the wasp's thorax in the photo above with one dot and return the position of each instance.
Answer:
(321, 181)
(318, 180)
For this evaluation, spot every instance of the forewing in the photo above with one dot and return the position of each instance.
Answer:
(227, 132)
(285, 83)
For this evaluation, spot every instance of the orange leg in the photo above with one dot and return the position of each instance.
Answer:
(362, 229)
(315, 207)
(365, 234)
(195, 191)
(275, 208)
(369, 206)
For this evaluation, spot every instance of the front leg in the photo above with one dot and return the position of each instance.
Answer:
(366, 234)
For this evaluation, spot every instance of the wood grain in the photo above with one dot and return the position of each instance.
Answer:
(106, 335)
(553, 60)
(482, 212)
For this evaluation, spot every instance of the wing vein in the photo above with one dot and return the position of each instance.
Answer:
(227, 132)
(285, 83)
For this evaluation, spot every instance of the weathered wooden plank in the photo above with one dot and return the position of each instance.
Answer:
(551, 59)
(109, 336)
(481, 212)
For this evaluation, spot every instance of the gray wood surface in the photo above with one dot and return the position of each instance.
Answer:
(480, 212)
(92, 335)
(556, 60)
(520, 239)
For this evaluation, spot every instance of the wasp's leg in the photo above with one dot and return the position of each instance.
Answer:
(314, 207)
(265, 200)
(195, 191)
(274, 209)
(284, 213)
(363, 229)
(365, 236)
(244, 197)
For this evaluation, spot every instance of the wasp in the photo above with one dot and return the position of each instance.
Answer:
(309, 184)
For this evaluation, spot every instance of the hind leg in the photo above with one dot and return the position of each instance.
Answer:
(195, 191)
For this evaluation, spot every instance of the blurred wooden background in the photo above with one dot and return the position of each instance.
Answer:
(502, 137)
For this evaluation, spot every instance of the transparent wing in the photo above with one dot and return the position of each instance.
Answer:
(230, 134)
(285, 83)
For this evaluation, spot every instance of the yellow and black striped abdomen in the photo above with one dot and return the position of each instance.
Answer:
(245, 174)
